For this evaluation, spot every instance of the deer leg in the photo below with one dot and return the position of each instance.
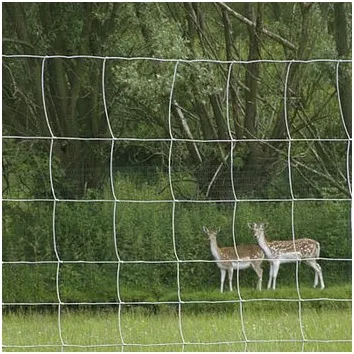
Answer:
(275, 273)
(222, 279)
(270, 275)
(259, 272)
(318, 272)
(315, 283)
(260, 278)
(312, 264)
(230, 273)
(321, 276)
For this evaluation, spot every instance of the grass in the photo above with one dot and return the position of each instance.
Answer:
(140, 331)
(82, 331)
(268, 322)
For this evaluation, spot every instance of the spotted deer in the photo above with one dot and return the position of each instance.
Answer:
(239, 257)
(287, 251)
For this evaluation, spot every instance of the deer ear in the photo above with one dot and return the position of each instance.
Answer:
(265, 225)
(250, 225)
(205, 229)
(218, 229)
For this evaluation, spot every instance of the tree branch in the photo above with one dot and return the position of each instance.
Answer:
(18, 41)
(185, 126)
(218, 170)
(265, 31)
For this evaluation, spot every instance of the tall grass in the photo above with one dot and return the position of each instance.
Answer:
(138, 329)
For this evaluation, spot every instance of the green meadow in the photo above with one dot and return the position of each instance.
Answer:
(264, 321)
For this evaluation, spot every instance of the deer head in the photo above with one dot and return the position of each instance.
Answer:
(258, 229)
(212, 233)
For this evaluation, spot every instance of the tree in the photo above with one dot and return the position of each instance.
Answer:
(343, 47)
(138, 92)
(72, 87)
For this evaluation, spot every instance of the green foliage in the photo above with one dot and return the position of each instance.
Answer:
(82, 238)
(101, 258)
(29, 283)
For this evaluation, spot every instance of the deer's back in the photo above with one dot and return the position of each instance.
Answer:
(307, 247)
(247, 251)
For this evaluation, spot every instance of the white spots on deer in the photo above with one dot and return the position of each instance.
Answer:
(278, 252)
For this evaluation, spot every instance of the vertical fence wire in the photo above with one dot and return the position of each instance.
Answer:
(55, 200)
(287, 124)
(232, 179)
(115, 205)
(174, 200)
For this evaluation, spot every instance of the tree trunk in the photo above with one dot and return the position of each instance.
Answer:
(343, 47)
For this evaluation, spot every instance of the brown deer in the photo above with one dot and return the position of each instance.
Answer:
(239, 257)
